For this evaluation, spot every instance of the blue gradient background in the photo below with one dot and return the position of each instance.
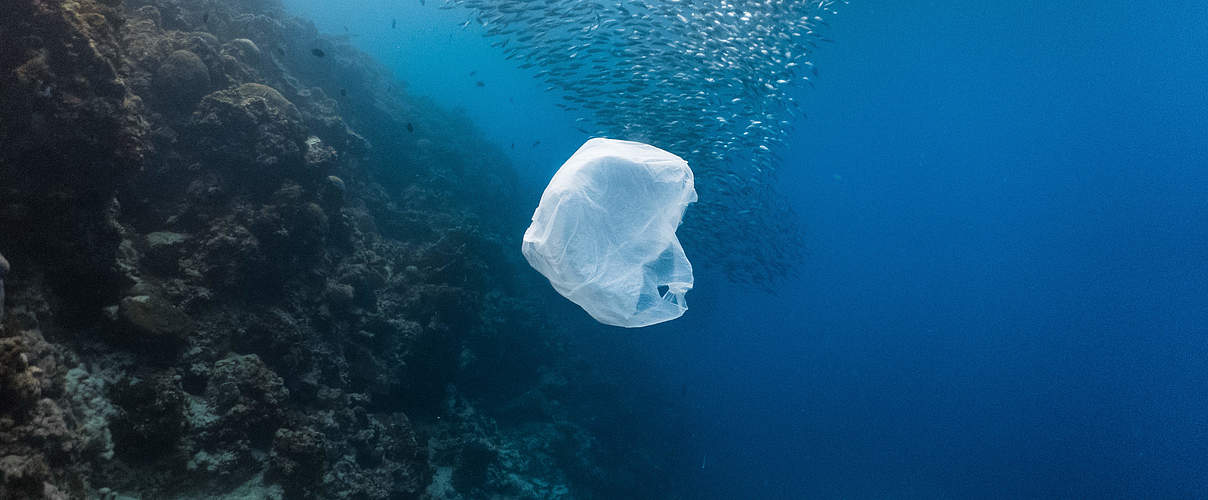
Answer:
(1006, 285)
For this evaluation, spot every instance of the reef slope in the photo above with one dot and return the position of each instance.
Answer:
(242, 270)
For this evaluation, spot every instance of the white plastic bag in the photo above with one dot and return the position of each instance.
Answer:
(604, 232)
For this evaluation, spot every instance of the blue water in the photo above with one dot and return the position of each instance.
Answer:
(1005, 290)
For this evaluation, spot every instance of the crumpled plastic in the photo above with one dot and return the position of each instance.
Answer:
(604, 232)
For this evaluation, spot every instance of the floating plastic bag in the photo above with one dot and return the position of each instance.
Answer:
(604, 233)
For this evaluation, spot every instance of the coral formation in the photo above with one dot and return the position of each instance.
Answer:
(182, 79)
(227, 282)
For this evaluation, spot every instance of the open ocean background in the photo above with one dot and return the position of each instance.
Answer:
(1005, 289)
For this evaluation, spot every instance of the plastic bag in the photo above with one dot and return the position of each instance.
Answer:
(604, 232)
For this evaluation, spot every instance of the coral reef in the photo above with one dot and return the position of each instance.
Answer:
(227, 282)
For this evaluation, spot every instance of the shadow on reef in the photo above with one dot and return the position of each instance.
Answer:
(239, 270)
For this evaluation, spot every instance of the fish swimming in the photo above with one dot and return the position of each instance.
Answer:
(713, 82)
(318, 52)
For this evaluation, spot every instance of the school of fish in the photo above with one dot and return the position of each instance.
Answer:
(709, 80)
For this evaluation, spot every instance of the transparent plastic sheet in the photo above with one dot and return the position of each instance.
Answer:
(604, 232)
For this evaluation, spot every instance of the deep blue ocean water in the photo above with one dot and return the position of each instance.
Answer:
(1005, 289)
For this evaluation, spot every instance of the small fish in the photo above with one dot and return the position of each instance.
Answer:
(536, 142)
(281, 51)
(480, 83)
(713, 83)
(205, 18)
(318, 52)
(513, 145)
(475, 72)
(393, 23)
(343, 93)
(410, 128)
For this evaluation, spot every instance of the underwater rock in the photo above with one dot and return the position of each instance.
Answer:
(244, 50)
(248, 399)
(4, 268)
(182, 79)
(473, 462)
(23, 476)
(150, 417)
(276, 103)
(291, 233)
(229, 257)
(241, 61)
(155, 320)
(333, 192)
(384, 459)
(281, 341)
(34, 451)
(297, 460)
(160, 240)
(318, 154)
(163, 250)
(149, 13)
(71, 131)
(88, 406)
(19, 387)
(340, 294)
(221, 463)
(251, 129)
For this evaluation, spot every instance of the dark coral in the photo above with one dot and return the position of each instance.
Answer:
(19, 387)
(152, 322)
(254, 134)
(247, 399)
(228, 279)
(182, 79)
(72, 130)
(150, 419)
(298, 460)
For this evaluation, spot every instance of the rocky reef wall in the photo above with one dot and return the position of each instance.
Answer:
(234, 268)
